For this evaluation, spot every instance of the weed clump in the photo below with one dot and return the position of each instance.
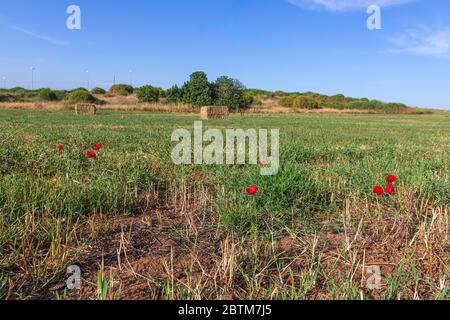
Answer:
(121, 90)
(80, 96)
(46, 94)
(148, 94)
(98, 90)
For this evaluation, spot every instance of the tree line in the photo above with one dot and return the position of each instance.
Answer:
(198, 91)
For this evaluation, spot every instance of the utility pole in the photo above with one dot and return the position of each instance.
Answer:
(32, 77)
(114, 81)
(131, 77)
(4, 82)
(88, 79)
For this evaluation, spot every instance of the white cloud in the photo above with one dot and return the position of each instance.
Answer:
(423, 42)
(40, 36)
(345, 5)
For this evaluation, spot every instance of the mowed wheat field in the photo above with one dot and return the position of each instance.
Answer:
(141, 227)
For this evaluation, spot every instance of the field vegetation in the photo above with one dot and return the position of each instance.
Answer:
(141, 227)
(198, 91)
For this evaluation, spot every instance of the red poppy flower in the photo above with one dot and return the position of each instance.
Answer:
(91, 155)
(378, 191)
(390, 189)
(97, 147)
(252, 190)
(391, 179)
(60, 148)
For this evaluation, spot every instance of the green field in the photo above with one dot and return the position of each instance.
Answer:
(309, 233)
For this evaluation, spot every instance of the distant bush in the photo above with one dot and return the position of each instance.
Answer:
(279, 94)
(18, 89)
(230, 92)
(46, 94)
(98, 90)
(148, 94)
(286, 102)
(79, 89)
(80, 96)
(299, 102)
(365, 105)
(174, 95)
(334, 105)
(162, 92)
(255, 101)
(4, 97)
(121, 89)
(60, 94)
(396, 106)
(258, 92)
(338, 101)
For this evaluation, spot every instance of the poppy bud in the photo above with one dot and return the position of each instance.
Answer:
(91, 155)
(391, 179)
(378, 191)
(252, 190)
(390, 189)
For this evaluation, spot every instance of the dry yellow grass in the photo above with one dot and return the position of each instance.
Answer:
(33, 106)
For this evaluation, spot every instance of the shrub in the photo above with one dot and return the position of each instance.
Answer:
(396, 106)
(255, 101)
(279, 94)
(162, 92)
(60, 94)
(306, 103)
(4, 97)
(198, 91)
(258, 92)
(18, 89)
(148, 94)
(121, 89)
(80, 96)
(174, 95)
(299, 102)
(46, 94)
(98, 90)
(365, 105)
(249, 100)
(80, 89)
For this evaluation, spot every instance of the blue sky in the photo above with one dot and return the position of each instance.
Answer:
(292, 45)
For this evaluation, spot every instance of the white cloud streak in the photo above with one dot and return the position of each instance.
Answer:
(423, 42)
(42, 37)
(345, 5)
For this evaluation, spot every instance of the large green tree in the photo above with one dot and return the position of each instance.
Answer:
(198, 91)
(231, 93)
